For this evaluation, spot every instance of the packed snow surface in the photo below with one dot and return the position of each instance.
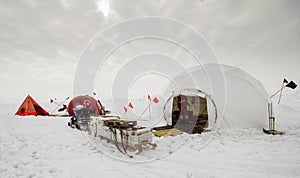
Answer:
(47, 147)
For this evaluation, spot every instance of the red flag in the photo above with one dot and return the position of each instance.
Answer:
(149, 98)
(155, 100)
(125, 109)
(130, 105)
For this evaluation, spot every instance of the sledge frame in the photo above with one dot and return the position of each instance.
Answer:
(124, 134)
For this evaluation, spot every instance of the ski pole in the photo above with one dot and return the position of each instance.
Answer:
(59, 105)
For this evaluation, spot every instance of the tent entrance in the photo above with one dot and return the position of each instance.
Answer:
(189, 113)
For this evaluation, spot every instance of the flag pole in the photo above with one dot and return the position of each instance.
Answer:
(277, 91)
(124, 114)
(145, 110)
(282, 86)
(149, 103)
(52, 101)
(58, 105)
(291, 85)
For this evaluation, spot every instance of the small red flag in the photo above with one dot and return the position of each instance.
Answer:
(155, 100)
(125, 109)
(149, 98)
(130, 105)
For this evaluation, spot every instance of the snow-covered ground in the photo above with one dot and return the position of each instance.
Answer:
(47, 147)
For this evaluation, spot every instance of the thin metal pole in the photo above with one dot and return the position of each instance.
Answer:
(58, 105)
(277, 91)
(149, 109)
(282, 86)
(145, 110)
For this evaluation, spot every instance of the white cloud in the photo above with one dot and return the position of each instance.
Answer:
(44, 39)
(104, 7)
(65, 4)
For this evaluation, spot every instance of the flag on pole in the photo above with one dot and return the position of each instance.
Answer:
(155, 100)
(125, 109)
(149, 98)
(291, 85)
(130, 105)
(282, 86)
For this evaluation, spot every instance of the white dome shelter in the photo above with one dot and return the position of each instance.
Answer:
(241, 100)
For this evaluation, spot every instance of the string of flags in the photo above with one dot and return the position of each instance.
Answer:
(155, 100)
(130, 105)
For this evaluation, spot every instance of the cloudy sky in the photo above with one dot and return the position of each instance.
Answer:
(42, 42)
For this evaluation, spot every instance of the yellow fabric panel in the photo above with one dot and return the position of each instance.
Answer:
(167, 132)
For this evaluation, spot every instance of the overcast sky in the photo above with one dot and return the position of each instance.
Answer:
(41, 41)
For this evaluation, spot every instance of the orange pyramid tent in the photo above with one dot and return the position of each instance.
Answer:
(30, 107)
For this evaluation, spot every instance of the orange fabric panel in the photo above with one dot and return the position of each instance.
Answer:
(30, 107)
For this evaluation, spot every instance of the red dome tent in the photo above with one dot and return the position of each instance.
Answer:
(30, 107)
(87, 102)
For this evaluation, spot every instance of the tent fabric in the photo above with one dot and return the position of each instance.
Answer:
(241, 100)
(84, 101)
(30, 107)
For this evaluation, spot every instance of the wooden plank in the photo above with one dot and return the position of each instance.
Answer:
(167, 132)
